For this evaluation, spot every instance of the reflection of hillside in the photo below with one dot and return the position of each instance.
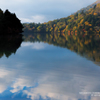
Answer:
(84, 44)
(10, 37)
(9, 45)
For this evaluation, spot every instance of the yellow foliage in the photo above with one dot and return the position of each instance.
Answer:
(86, 23)
(66, 38)
(90, 24)
(86, 42)
(81, 20)
(63, 34)
(94, 51)
(44, 22)
(66, 26)
(98, 5)
(90, 13)
(69, 20)
(51, 36)
(54, 25)
(47, 36)
(63, 30)
(91, 29)
(81, 44)
(58, 30)
(74, 27)
(51, 28)
(78, 40)
(71, 15)
(95, 14)
(78, 25)
(86, 32)
(74, 37)
(58, 34)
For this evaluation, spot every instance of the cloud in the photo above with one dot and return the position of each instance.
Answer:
(36, 19)
(43, 10)
(58, 82)
(19, 84)
(5, 79)
(35, 45)
(52, 78)
(52, 85)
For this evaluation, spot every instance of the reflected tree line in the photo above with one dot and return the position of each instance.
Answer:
(87, 45)
(79, 32)
(84, 42)
(9, 45)
(10, 33)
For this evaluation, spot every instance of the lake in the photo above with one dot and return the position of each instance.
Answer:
(41, 70)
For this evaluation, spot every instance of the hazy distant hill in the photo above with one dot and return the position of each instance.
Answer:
(88, 7)
(83, 21)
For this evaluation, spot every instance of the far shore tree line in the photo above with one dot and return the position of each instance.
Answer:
(87, 22)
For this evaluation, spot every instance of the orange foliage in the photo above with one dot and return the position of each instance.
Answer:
(71, 32)
(75, 34)
(95, 13)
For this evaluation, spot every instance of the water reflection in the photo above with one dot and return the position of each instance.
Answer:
(10, 33)
(35, 74)
(9, 44)
(84, 44)
(41, 71)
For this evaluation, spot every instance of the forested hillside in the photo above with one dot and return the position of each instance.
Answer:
(89, 20)
(9, 23)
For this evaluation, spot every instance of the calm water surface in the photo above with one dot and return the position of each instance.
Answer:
(39, 71)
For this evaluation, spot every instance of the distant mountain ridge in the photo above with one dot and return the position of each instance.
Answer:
(88, 7)
(84, 21)
(98, 1)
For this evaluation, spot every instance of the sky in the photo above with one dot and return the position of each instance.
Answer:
(43, 10)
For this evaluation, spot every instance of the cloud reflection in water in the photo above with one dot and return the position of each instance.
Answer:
(57, 81)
